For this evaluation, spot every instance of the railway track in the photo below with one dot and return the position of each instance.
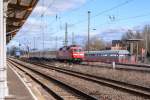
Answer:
(131, 88)
(59, 90)
(119, 66)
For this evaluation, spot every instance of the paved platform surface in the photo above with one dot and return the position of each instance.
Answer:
(16, 88)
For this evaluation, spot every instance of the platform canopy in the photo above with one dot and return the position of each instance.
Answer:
(134, 40)
(17, 13)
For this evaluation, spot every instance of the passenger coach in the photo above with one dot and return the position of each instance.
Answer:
(120, 56)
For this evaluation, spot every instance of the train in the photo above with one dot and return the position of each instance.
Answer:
(72, 53)
(75, 53)
(17, 53)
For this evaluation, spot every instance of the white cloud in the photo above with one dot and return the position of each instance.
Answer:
(62, 5)
(42, 9)
(52, 7)
(117, 30)
(32, 25)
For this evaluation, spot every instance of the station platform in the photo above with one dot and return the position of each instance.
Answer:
(17, 89)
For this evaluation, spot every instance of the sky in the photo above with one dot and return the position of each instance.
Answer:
(109, 20)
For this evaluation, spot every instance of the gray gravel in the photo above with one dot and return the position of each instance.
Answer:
(133, 77)
(103, 92)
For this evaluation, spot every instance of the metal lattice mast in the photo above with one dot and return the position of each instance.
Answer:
(88, 46)
(73, 41)
(56, 42)
(66, 35)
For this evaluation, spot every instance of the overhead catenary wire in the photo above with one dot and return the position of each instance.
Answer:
(104, 11)
(49, 6)
(73, 10)
(122, 19)
(127, 18)
(137, 16)
(41, 15)
(98, 14)
(112, 8)
(85, 4)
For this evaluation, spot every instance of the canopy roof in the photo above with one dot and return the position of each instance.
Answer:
(17, 13)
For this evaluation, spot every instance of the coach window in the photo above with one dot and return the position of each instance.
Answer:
(117, 54)
(60, 49)
(79, 50)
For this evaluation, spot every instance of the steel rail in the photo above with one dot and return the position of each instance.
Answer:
(132, 88)
(78, 92)
(56, 96)
(126, 67)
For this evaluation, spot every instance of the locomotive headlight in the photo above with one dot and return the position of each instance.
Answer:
(81, 54)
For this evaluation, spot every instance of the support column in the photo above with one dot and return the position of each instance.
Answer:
(131, 48)
(3, 67)
(137, 51)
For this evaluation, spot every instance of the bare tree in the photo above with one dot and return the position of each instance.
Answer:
(128, 35)
(95, 44)
(145, 35)
(11, 51)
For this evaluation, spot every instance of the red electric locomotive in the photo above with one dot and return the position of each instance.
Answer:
(73, 53)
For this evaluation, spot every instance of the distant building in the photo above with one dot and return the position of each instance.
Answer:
(118, 45)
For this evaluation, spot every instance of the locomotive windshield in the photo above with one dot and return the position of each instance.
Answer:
(76, 50)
